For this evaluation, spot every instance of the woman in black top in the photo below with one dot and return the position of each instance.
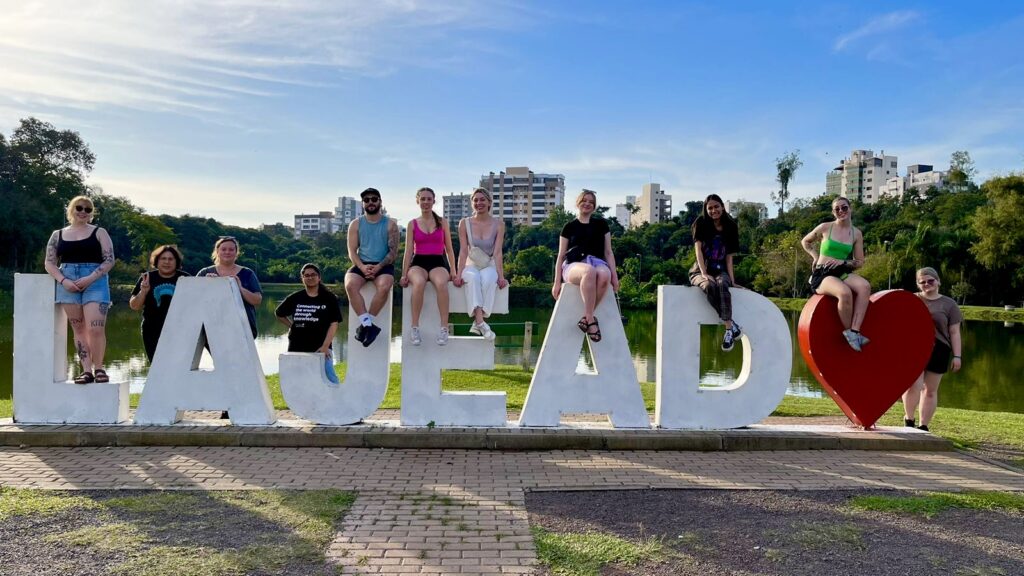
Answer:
(585, 258)
(78, 257)
(312, 316)
(715, 239)
(153, 292)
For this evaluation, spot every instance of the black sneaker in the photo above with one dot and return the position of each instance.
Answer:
(728, 340)
(923, 427)
(370, 334)
(361, 333)
(909, 423)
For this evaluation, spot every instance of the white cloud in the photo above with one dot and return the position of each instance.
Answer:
(880, 25)
(197, 56)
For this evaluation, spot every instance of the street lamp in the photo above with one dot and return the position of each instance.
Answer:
(888, 259)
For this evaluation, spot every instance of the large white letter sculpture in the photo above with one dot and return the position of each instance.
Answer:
(557, 388)
(422, 399)
(311, 396)
(236, 383)
(41, 392)
(767, 361)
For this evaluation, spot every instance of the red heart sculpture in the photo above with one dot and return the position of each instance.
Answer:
(866, 384)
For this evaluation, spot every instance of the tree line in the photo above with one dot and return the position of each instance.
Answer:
(973, 234)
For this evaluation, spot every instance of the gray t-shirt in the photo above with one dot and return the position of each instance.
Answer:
(945, 313)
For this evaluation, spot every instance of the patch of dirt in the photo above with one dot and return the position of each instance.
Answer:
(201, 521)
(718, 532)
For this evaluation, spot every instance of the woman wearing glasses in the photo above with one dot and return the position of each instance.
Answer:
(312, 316)
(153, 292)
(840, 252)
(78, 257)
(225, 251)
(947, 318)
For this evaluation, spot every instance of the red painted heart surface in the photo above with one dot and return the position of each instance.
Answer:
(866, 384)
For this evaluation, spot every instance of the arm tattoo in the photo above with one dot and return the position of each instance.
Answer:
(51, 249)
(108, 261)
(393, 239)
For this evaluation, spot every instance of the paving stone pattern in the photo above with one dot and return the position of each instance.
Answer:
(462, 511)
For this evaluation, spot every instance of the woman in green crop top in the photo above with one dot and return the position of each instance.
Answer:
(840, 252)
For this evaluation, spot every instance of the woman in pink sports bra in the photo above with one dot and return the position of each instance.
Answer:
(428, 251)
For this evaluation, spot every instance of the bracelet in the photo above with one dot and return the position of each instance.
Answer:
(958, 357)
(62, 280)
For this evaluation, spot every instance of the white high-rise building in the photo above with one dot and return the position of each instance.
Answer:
(347, 211)
(919, 177)
(862, 176)
(456, 207)
(655, 206)
(622, 212)
(314, 224)
(522, 196)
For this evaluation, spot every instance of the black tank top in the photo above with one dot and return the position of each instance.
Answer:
(86, 251)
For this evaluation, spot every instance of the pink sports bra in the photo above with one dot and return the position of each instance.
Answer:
(427, 244)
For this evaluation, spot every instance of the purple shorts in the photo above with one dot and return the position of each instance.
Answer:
(592, 260)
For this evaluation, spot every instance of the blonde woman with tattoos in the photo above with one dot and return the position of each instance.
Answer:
(79, 256)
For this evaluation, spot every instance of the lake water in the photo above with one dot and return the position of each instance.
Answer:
(989, 381)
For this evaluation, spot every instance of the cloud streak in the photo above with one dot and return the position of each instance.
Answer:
(880, 25)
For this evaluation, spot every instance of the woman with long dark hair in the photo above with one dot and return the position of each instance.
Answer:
(715, 239)
(153, 292)
(428, 258)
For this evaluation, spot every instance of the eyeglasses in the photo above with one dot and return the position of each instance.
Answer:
(311, 275)
(926, 282)
(86, 209)
(841, 208)
(371, 199)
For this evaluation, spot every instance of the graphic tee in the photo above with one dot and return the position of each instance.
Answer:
(158, 300)
(311, 318)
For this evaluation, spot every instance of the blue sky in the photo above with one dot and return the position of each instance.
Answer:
(250, 111)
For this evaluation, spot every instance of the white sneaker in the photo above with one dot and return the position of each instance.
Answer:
(414, 336)
(487, 332)
(442, 337)
(475, 329)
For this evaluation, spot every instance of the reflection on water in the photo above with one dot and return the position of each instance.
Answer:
(993, 353)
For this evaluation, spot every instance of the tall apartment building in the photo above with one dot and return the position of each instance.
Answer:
(456, 207)
(734, 206)
(919, 177)
(622, 213)
(862, 176)
(522, 196)
(346, 212)
(314, 224)
(655, 206)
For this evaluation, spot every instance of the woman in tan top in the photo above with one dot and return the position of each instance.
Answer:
(947, 318)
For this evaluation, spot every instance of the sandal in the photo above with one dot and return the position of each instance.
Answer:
(101, 376)
(84, 378)
(594, 336)
(583, 324)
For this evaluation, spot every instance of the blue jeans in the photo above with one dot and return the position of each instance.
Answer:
(98, 291)
(329, 369)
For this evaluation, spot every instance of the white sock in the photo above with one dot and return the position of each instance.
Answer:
(365, 319)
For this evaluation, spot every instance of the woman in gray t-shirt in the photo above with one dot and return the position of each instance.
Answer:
(947, 318)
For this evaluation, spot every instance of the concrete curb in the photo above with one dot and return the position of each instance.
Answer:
(388, 434)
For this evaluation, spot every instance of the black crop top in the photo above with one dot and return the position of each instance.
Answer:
(86, 251)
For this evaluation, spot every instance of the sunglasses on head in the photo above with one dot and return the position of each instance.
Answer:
(86, 209)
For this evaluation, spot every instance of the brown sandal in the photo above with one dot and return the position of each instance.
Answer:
(101, 376)
(84, 378)
(582, 324)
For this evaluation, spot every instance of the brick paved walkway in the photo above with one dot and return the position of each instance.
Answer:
(462, 511)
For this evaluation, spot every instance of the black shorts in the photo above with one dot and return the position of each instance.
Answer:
(819, 273)
(387, 269)
(430, 261)
(941, 357)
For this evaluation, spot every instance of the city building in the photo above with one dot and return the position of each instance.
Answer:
(862, 176)
(919, 177)
(733, 207)
(522, 196)
(622, 212)
(456, 207)
(309, 225)
(655, 206)
(346, 212)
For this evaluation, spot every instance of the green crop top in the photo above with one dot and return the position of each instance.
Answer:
(834, 248)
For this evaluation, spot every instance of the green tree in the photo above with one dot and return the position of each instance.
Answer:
(999, 226)
(961, 170)
(785, 167)
(536, 262)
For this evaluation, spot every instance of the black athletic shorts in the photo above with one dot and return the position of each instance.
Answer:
(941, 357)
(387, 269)
(430, 261)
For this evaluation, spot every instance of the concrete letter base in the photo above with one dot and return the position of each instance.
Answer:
(557, 388)
(41, 393)
(311, 396)
(763, 379)
(236, 383)
(422, 399)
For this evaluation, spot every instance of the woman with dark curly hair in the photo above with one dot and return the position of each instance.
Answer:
(153, 292)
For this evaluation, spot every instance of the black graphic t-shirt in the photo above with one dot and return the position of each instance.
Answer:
(311, 318)
(158, 300)
(716, 246)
